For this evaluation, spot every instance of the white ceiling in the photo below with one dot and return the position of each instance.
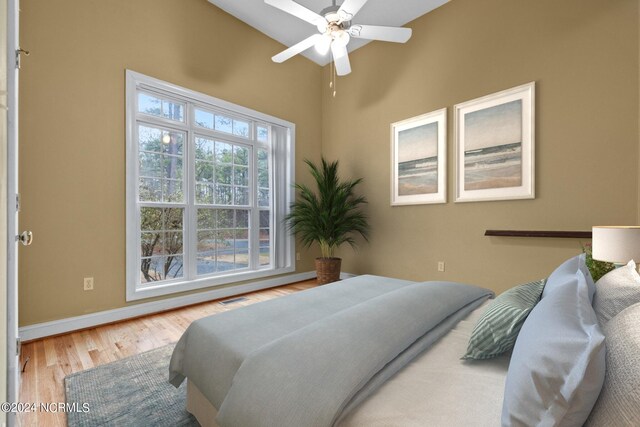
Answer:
(289, 30)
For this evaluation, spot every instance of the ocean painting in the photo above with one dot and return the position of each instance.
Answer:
(493, 147)
(418, 160)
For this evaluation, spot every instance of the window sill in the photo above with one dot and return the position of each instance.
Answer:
(205, 282)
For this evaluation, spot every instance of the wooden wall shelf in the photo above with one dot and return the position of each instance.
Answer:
(532, 233)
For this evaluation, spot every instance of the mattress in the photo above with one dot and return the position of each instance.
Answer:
(436, 389)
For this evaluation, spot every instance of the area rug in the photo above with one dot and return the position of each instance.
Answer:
(130, 392)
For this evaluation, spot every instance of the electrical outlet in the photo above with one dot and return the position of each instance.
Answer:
(88, 283)
(440, 265)
(297, 256)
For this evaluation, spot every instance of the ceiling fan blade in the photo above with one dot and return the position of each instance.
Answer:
(297, 10)
(296, 48)
(341, 59)
(349, 9)
(376, 32)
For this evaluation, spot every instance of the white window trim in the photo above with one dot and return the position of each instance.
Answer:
(281, 197)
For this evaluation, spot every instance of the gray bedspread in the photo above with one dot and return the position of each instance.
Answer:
(308, 358)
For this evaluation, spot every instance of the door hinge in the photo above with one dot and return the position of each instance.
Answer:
(18, 346)
(18, 52)
(17, 202)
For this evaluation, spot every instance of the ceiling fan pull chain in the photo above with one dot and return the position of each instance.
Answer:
(334, 81)
(331, 75)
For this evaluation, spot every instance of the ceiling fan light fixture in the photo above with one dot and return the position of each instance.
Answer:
(322, 25)
(341, 38)
(323, 44)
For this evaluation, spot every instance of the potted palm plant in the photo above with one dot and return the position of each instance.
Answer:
(330, 217)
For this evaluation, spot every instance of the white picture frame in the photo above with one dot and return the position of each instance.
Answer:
(495, 146)
(419, 159)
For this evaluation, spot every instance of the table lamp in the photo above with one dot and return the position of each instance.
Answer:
(616, 244)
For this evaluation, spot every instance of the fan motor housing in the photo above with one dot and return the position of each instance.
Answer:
(331, 15)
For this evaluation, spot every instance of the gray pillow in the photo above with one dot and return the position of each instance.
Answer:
(496, 331)
(619, 401)
(615, 291)
(558, 363)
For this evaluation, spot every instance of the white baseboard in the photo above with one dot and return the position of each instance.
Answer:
(56, 327)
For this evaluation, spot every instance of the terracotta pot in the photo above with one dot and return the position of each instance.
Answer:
(328, 270)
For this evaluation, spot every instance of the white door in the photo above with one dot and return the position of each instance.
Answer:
(13, 237)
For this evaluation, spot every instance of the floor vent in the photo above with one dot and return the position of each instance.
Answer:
(232, 300)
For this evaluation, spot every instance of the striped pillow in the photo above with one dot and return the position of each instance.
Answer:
(497, 329)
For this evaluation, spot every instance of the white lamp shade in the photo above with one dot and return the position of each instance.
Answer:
(617, 244)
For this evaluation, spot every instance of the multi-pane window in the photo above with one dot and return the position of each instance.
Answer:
(208, 186)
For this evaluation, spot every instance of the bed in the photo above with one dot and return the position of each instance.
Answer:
(438, 373)
(375, 351)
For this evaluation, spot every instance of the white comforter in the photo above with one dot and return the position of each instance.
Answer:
(439, 389)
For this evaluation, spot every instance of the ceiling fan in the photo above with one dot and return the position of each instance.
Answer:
(335, 31)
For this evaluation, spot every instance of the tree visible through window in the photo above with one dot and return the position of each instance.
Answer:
(161, 243)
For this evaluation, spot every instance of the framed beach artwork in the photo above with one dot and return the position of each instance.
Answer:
(419, 159)
(495, 146)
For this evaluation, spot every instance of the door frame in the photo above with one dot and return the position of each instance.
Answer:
(13, 371)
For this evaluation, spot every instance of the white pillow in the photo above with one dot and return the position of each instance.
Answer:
(615, 291)
(558, 363)
(619, 401)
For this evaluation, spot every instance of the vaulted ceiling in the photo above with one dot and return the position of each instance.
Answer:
(289, 30)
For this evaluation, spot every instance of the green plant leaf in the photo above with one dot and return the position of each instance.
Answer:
(596, 268)
(331, 215)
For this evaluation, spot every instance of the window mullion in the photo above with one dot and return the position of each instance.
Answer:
(192, 223)
(164, 123)
(274, 195)
(274, 182)
(254, 224)
(278, 175)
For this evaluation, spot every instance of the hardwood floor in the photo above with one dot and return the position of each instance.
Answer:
(51, 359)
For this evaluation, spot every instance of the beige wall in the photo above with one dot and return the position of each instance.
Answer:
(73, 135)
(583, 56)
